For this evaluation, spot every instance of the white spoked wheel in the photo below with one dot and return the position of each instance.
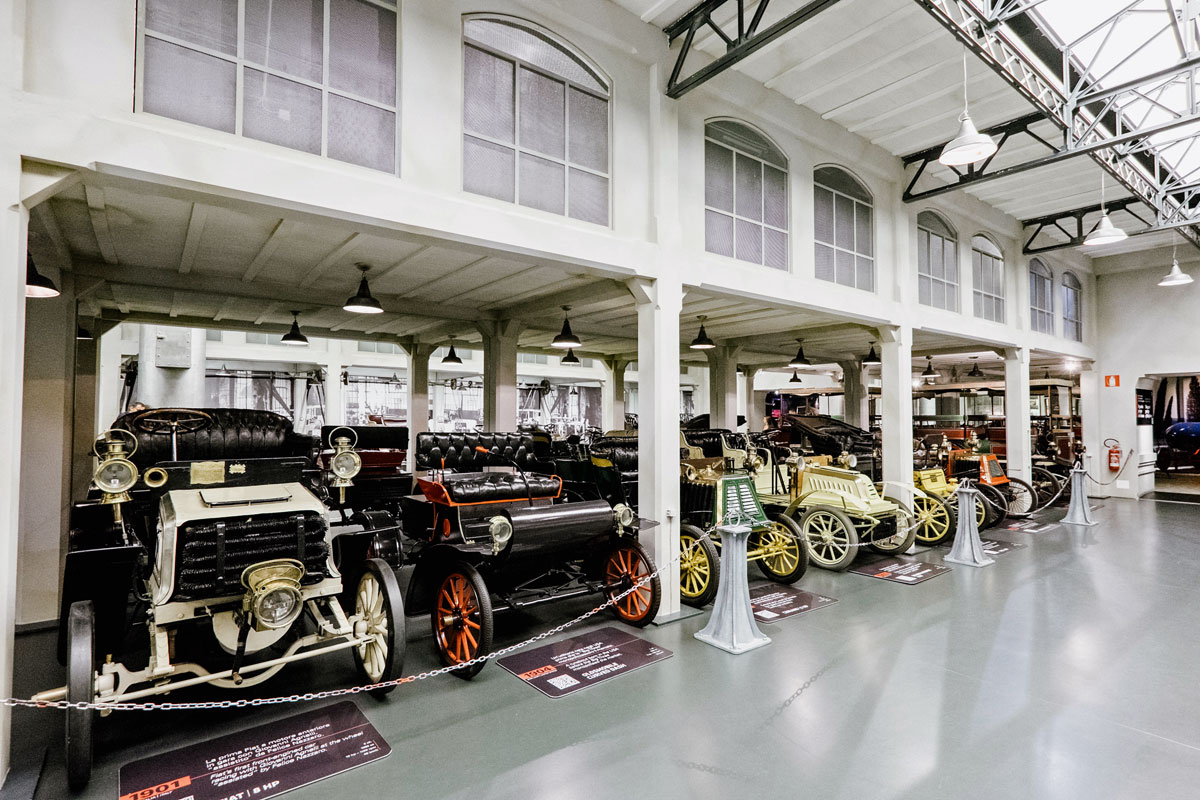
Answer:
(379, 607)
(831, 536)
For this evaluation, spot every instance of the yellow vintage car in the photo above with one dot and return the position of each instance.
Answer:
(936, 506)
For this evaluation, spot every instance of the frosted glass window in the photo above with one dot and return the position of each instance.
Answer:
(843, 229)
(937, 262)
(745, 195)
(536, 111)
(1041, 297)
(987, 272)
(335, 98)
(1072, 292)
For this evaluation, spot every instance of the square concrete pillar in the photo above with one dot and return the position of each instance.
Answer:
(613, 397)
(500, 372)
(658, 305)
(418, 392)
(1016, 413)
(856, 397)
(722, 386)
(335, 390)
(754, 414)
(896, 390)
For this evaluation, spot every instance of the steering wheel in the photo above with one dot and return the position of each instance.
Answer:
(172, 420)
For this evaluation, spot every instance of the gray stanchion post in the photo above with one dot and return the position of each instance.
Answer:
(968, 548)
(731, 626)
(1079, 512)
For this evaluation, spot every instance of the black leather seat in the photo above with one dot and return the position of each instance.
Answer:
(707, 440)
(456, 451)
(623, 453)
(235, 433)
(494, 487)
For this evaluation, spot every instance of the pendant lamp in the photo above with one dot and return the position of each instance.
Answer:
(1104, 232)
(294, 336)
(37, 284)
(1176, 277)
(929, 374)
(975, 372)
(702, 342)
(570, 358)
(871, 358)
(566, 338)
(799, 360)
(82, 335)
(451, 357)
(363, 302)
(969, 146)
(795, 377)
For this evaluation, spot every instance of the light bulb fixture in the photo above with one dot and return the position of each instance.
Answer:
(82, 335)
(969, 146)
(37, 284)
(975, 372)
(1176, 277)
(566, 338)
(1046, 377)
(929, 374)
(294, 337)
(570, 358)
(1071, 366)
(702, 342)
(451, 357)
(795, 377)
(1104, 232)
(871, 357)
(799, 359)
(363, 302)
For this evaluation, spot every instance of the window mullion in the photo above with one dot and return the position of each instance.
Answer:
(325, 77)
(239, 77)
(516, 100)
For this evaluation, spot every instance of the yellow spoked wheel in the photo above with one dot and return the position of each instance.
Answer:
(779, 550)
(935, 517)
(831, 537)
(699, 571)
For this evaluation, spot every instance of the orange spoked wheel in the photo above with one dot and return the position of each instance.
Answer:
(626, 565)
(461, 613)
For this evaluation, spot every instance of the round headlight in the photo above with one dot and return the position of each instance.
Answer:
(346, 465)
(623, 514)
(851, 461)
(115, 475)
(756, 463)
(277, 607)
(501, 529)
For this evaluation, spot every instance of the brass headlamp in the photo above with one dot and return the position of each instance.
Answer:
(345, 463)
(115, 474)
(273, 593)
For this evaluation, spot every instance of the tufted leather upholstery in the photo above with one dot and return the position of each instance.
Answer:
(623, 453)
(493, 487)
(235, 433)
(707, 440)
(459, 454)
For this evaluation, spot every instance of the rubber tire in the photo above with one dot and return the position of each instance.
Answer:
(997, 508)
(81, 687)
(613, 570)
(393, 611)
(707, 558)
(843, 561)
(1047, 485)
(938, 509)
(473, 582)
(903, 519)
(1020, 486)
(793, 530)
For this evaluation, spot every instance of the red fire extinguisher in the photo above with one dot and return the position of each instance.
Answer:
(1114, 454)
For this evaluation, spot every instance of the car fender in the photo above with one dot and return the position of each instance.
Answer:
(431, 565)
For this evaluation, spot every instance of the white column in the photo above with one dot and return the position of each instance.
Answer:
(83, 423)
(1090, 387)
(658, 304)
(14, 226)
(722, 386)
(896, 390)
(418, 392)
(613, 409)
(855, 400)
(500, 373)
(335, 394)
(754, 412)
(1016, 413)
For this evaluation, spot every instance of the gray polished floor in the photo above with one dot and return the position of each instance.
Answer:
(1066, 670)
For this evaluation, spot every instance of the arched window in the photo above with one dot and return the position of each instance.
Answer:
(843, 230)
(535, 120)
(1072, 292)
(745, 195)
(987, 272)
(937, 262)
(1041, 297)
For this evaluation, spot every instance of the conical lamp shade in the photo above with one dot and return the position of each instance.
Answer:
(363, 302)
(566, 338)
(799, 360)
(1176, 277)
(37, 284)
(83, 335)
(968, 147)
(795, 377)
(871, 357)
(294, 336)
(1104, 233)
(570, 358)
(702, 342)
(451, 357)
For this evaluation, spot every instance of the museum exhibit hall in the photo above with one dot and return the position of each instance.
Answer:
(593, 399)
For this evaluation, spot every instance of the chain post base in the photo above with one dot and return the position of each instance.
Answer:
(968, 548)
(732, 627)
(1079, 512)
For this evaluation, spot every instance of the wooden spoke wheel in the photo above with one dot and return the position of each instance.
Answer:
(462, 619)
(1022, 498)
(995, 501)
(831, 537)
(779, 550)
(81, 688)
(935, 517)
(1046, 484)
(699, 574)
(379, 607)
(626, 565)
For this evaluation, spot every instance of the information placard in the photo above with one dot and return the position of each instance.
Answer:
(261, 762)
(995, 547)
(900, 569)
(581, 661)
(772, 602)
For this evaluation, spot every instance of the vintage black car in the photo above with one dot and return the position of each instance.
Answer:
(820, 434)
(207, 528)
(486, 541)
